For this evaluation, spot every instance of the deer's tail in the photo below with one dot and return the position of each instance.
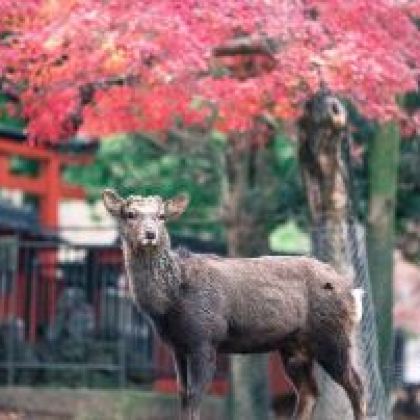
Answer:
(358, 303)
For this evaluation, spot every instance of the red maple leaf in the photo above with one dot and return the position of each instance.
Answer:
(121, 65)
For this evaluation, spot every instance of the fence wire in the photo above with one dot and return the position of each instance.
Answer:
(346, 242)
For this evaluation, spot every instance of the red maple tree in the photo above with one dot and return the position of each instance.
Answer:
(122, 65)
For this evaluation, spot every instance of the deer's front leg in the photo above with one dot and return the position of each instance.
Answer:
(195, 369)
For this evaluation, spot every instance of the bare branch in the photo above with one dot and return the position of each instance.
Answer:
(87, 93)
(247, 45)
(88, 90)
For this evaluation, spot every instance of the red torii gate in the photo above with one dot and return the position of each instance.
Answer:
(47, 186)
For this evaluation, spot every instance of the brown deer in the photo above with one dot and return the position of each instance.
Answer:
(204, 304)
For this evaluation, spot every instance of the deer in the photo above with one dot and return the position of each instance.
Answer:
(204, 304)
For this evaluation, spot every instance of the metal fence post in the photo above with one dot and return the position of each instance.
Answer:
(9, 248)
(121, 343)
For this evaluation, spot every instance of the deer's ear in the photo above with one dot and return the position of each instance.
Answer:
(176, 206)
(112, 202)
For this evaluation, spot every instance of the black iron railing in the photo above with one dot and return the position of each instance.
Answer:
(66, 318)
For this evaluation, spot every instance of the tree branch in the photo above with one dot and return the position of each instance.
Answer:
(9, 89)
(88, 90)
(247, 45)
(87, 93)
(152, 140)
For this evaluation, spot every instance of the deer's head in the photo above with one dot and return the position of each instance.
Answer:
(141, 220)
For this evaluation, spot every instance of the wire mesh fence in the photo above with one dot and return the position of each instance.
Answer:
(343, 245)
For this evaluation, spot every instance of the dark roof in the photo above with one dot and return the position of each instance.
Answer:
(75, 145)
(21, 220)
(12, 133)
(18, 218)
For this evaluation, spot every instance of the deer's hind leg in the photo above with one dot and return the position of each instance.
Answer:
(299, 366)
(336, 359)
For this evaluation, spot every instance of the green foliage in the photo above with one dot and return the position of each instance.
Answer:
(290, 239)
(408, 196)
(291, 202)
(137, 165)
(6, 119)
(140, 165)
(22, 166)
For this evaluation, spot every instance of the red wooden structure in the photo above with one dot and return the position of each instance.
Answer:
(49, 189)
(47, 185)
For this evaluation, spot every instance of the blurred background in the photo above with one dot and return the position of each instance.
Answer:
(72, 345)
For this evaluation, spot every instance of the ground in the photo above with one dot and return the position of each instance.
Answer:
(82, 404)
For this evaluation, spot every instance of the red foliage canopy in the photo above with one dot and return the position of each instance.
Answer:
(123, 65)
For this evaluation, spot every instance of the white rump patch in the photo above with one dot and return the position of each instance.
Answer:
(358, 303)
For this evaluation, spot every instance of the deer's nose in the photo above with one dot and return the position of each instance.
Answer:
(150, 235)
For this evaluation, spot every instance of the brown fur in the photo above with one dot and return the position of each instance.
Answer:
(204, 304)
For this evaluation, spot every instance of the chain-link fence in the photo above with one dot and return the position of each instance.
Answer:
(343, 245)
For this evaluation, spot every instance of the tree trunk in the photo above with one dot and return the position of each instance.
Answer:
(383, 157)
(249, 395)
(324, 135)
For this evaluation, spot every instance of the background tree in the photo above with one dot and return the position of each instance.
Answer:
(123, 66)
(324, 152)
(383, 157)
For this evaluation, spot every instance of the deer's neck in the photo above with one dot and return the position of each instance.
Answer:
(154, 276)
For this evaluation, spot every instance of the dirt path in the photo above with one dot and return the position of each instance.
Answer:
(14, 415)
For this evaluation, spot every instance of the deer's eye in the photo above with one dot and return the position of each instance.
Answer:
(130, 214)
